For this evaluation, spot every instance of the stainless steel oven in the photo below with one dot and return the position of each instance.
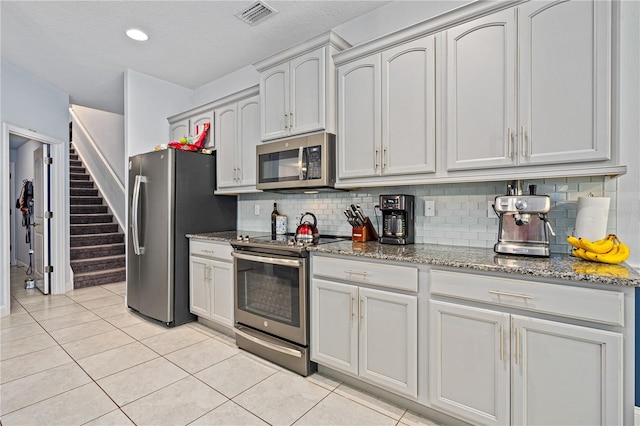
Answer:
(272, 299)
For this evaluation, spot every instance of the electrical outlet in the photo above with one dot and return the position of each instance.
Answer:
(256, 209)
(429, 208)
(490, 211)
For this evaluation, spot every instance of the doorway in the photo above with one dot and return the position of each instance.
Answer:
(58, 236)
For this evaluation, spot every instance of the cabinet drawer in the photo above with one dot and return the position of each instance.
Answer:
(601, 306)
(383, 275)
(211, 249)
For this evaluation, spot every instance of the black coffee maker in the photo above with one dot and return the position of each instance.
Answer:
(397, 219)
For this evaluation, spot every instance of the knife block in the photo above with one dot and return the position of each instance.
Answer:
(364, 233)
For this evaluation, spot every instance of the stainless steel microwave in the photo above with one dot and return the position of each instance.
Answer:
(301, 164)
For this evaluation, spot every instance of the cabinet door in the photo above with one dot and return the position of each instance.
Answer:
(565, 61)
(226, 140)
(565, 374)
(179, 130)
(308, 92)
(389, 340)
(409, 108)
(334, 325)
(200, 119)
(480, 92)
(248, 138)
(222, 292)
(469, 362)
(274, 102)
(199, 282)
(359, 111)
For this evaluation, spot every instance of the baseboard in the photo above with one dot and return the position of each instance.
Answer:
(637, 416)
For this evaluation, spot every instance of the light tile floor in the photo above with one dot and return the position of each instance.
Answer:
(84, 358)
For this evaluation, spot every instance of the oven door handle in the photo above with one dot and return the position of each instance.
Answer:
(271, 260)
(272, 346)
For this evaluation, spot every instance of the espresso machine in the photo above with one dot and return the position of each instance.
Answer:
(524, 227)
(397, 219)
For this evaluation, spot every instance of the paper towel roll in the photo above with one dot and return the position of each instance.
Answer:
(591, 220)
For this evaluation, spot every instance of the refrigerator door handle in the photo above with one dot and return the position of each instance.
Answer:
(135, 203)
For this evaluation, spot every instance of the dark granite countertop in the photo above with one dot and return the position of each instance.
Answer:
(224, 236)
(558, 266)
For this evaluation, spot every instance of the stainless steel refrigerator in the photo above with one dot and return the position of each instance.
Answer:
(170, 195)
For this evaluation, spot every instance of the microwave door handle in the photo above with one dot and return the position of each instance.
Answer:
(300, 168)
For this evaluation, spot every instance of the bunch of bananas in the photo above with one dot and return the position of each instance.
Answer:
(607, 250)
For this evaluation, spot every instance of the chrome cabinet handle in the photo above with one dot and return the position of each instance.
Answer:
(510, 142)
(360, 314)
(375, 159)
(501, 343)
(351, 313)
(525, 142)
(350, 272)
(385, 158)
(291, 120)
(504, 293)
(239, 175)
(286, 120)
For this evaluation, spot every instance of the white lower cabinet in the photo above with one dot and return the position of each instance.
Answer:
(365, 332)
(211, 281)
(497, 368)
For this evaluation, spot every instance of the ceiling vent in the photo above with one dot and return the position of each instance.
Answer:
(256, 13)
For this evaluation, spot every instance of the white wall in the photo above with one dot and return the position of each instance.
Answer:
(107, 131)
(227, 85)
(29, 103)
(148, 101)
(24, 170)
(33, 104)
(392, 17)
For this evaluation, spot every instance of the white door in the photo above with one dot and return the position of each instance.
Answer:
(307, 92)
(226, 139)
(41, 221)
(274, 102)
(409, 108)
(469, 369)
(359, 111)
(389, 340)
(200, 277)
(565, 60)
(222, 292)
(480, 93)
(334, 325)
(565, 374)
(248, 138)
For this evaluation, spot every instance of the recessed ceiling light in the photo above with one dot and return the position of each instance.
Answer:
(137, 34)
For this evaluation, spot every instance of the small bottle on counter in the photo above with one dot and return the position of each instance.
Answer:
(274, 215)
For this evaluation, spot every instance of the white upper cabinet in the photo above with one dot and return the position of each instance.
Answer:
(535, 95)
(386, 112)
(359, 111)
(236, 135)
(409, 108)
(564, 67)
(274, 89)
(296, 88)
(480, 92)
(179, 130)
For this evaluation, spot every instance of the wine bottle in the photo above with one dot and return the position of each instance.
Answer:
(274, 214)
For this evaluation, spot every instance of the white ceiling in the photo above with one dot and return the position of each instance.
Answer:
(80, 46)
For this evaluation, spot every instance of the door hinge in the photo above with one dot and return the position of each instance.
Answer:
(48, 160)
(48, 269)
(48, 215)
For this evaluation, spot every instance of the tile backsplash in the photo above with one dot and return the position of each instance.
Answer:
(461, 209)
